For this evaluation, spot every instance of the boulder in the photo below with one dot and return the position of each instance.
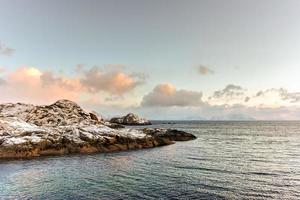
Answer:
(94, 116)
(130, 120)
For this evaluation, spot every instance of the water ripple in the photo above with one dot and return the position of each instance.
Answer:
(229, 160)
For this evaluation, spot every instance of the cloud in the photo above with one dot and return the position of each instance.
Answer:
(247, 99)
(284, 94)
(167, 95)
(165, 101)
(230, 103)
(259, 93)
(292, 97)
(204, 70)
(6, 51)
(49, 79)
(114, 82)
(229, 91)
(29, 84)
(234, 94)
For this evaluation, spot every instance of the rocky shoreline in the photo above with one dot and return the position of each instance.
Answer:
(64, 128)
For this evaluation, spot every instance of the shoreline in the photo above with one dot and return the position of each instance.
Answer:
(112, 145)
(65, 128)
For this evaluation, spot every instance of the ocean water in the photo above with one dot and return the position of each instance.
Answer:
(228, 160)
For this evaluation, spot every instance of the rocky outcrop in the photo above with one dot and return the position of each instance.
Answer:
(130, 120)
(64, 127)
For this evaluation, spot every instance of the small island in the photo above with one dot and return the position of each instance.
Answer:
(130, 120)
(64, 127)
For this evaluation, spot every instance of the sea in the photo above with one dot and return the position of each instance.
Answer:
(228, 160)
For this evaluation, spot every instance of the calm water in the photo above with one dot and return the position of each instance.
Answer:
(229, 160)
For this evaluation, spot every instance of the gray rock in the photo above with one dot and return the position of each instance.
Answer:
(130, 119)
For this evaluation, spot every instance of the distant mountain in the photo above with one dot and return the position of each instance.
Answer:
(234, 116)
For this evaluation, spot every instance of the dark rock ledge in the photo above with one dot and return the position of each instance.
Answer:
(63, 128)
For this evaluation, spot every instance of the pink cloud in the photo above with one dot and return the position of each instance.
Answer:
(26, 85)
(30, 84)
(113, 82)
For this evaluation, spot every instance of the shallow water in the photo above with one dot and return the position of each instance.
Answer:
(228, 160)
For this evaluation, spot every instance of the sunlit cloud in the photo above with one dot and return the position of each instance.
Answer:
(27, 84)
(114, 82)
(31, 84)
(168, 95)
(106, 90)
(48, 78)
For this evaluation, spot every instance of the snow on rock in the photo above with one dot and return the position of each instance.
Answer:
(12, 110)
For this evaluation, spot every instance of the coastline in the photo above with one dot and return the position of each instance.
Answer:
(65, 128)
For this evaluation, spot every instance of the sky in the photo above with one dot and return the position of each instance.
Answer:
(162, 59)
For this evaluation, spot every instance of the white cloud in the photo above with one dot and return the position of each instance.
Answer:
(284, 94)
(229, 91)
